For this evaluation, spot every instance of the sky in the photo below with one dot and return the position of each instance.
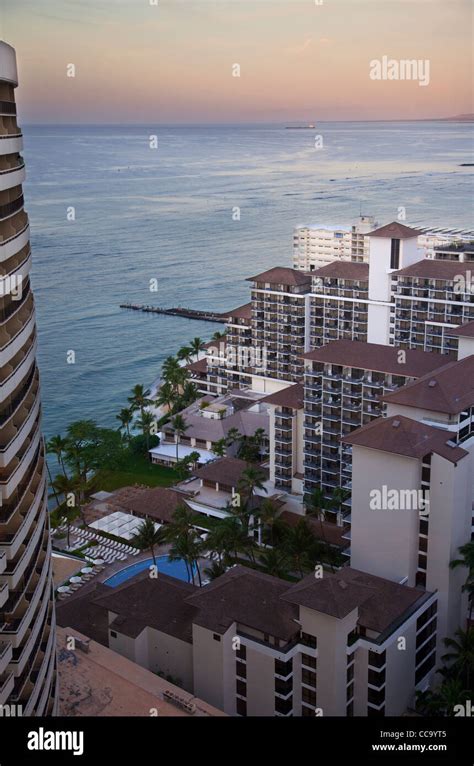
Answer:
(172, 61)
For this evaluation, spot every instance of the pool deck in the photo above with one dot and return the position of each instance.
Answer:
(117, 566)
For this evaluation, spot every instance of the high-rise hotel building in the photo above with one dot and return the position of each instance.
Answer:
(27, 620)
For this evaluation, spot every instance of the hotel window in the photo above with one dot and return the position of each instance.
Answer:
(306, 712)
(376, 697)
(216, 637)
(350, 691)
(309, 697)
(283, 668)
(350, 709)
(376, 678)
(309, 661)
(309, 640)
(427, 615)
(395, 254)
(350, 673)
(283, 706)
(241, 669)
(241, 688)
(308, 677)
(377, 660)
(241, 707)
(241, 652)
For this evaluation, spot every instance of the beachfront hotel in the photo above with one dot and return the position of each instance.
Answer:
(27, 620)
(316, 245)
(378, 420)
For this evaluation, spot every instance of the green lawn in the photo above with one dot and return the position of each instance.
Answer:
(137, 470)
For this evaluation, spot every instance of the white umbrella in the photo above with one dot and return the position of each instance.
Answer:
(76, 579)
(86, 570)
(63, 589)
(99, 562)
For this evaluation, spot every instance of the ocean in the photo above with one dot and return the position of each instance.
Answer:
(168, 214)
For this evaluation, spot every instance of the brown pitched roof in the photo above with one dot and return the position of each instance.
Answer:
(380, 602)
(404, 436)
(199, 367)
(157, 502)
(428, 268)
(343, 270)
(395, 230)
(241, 312)
(376, 357)
(330, 533)
(291, 396)
(247, 597)
(79, 611)
(281, 275)
(464, 330)
(449, 389)
(225, 470)
(157, 603)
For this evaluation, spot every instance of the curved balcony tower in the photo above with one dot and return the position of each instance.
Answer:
(27, 627)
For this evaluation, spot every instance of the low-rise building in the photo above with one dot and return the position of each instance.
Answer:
(252, 645)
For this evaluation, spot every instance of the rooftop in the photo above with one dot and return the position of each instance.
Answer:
(343, 270)
(464, 330)
(375, 357)
(291, 397)
(429, 268)
(449, 389)
(225, 470)
(101, 682)
(248, 597)
(395, 230)
(241, 312)
(281, 275)
(380, 602)
(404, 436)
(241, 412)
(157, 502)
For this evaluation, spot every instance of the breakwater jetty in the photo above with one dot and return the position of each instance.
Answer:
(203, 316)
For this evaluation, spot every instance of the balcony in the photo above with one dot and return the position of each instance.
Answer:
(10, 208)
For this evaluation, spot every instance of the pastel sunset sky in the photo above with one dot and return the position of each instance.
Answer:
(171, 63)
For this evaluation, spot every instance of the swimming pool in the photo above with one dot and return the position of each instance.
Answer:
(173, 568)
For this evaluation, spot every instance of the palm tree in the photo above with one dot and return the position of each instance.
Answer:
(180, 427)
(461, 655)
(148, 537)
(140, 398)
(298, 546)
(166, 396)
(231, 538)
(126, 418)
(268, 514)
(183, 520)
(252, 478)
(233, 435)
(219, 448)
(316, 506)
(189, 393)
(467, 560)
(194, 457)
(275, 562)
(215, 570)
(218, 335)
(184, 354)
(145, 422)
(338, 498)
(197, 345)
(57, 445)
